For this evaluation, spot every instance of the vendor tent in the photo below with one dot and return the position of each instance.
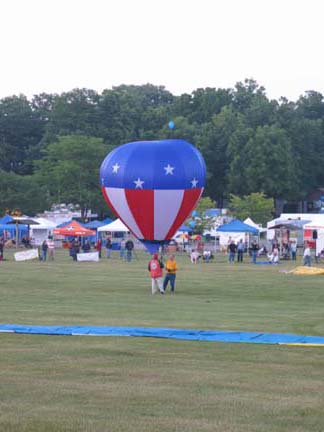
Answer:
(5, 219)
(235, 230)
(94, 224)
(249, 221)
(309, 231)
(42, 230)
(115, 226)
(64, 224)
(289, 224)
(24, 222)
(74, 229)
(236, 226)
(185, 228)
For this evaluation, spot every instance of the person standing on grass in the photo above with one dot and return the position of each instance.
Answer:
(155, 267)
(254, 251)
(86, 247)
(51, 248)
(108, 247)
(293, 250)
(1, 248)
(307, 256)
(240, 251)
(44, 250)
(99, 247)
(129, 246)
(232, 251)
(122, 249)
(171, 269)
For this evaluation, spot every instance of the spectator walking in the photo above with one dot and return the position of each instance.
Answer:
(155, 267)
(171, 269)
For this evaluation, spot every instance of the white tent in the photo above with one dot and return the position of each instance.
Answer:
(115, 226)
(319, 227)
(40, 232)
(249, 221)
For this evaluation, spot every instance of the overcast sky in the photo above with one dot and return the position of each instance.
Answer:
(57, 45)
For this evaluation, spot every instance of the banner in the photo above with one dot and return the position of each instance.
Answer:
(91, 256)
(26, 255)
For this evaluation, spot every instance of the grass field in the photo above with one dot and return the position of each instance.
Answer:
(54, 383)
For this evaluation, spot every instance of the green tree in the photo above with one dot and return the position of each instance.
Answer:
(20, 130)
(70, 171)
(21, 192)
(213, 140)
(270, 166)
(256, 206)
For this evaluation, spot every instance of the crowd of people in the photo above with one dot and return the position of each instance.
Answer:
(126, 248)
(164, 274)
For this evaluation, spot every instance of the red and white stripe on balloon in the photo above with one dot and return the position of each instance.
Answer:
(152, 186)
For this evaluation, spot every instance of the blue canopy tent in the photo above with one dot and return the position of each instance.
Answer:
(94, 225)
(237, 226)
(63, 224)
(185, 228)
(17, 231)
(5, 219)
(212, 213)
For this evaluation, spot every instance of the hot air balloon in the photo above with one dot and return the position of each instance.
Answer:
(152, 186)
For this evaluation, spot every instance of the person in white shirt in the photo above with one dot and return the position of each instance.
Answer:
(274, 256)
(51, 247)
(194, 256)
(307, 256)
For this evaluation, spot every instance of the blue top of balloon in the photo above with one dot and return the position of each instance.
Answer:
(166, 164)
(171, 124)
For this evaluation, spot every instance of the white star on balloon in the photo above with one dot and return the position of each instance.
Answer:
(138, 183)
(115, 168)
(194, 183)
(169, 169)
(102, 181)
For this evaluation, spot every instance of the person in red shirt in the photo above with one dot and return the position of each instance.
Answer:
(155, 267)
(99, 247)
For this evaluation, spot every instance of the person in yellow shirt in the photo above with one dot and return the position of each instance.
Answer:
(171, 269)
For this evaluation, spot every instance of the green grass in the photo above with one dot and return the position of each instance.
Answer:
(143, 384)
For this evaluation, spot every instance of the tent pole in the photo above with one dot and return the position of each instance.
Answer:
(16, 234)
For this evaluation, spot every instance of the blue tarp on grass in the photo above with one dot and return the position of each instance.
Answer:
(169, 333)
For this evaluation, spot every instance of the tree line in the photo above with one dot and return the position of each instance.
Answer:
(51, 146)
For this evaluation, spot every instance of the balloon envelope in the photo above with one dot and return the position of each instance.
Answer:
(171, 124)
(153, 186)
